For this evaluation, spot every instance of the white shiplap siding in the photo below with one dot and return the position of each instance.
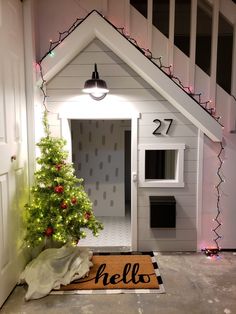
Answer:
(183, 237)
(132, 91)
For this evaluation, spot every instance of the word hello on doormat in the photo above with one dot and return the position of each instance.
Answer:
(126, 271)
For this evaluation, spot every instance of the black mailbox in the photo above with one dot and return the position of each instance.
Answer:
(162, 211)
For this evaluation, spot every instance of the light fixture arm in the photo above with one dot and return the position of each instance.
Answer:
(95, 75)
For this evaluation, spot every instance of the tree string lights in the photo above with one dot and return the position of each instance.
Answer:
(59, 209)
(168, 70)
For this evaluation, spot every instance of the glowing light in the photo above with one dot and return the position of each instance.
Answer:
(52, 53)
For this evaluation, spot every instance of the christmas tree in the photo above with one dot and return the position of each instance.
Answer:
(59, 209)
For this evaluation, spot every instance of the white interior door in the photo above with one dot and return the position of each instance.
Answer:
(13, 144)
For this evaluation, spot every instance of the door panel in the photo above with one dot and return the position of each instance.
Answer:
(13, 145)
(4, 220)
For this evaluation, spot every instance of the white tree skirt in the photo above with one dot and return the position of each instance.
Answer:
(55, 267)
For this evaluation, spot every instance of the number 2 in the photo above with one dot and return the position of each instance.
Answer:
(159, 124)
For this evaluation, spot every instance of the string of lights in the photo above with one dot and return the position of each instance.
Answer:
(214, 252)
(42, 87)
(61, 36)
(44, 102)
(168, 70)
(221, 180)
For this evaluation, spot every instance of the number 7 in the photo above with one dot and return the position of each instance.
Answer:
(170, 122)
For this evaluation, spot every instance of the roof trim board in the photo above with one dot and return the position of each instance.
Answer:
(95, 26)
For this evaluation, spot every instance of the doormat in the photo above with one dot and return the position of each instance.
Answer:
(128, 272)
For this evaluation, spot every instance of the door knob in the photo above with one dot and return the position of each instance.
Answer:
(135, 177)
(13, 158)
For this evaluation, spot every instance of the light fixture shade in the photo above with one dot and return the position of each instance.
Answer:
(96, 87)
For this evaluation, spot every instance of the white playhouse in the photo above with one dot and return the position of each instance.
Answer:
(140, 149)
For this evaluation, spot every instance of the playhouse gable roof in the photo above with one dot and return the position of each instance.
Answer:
(95, 26)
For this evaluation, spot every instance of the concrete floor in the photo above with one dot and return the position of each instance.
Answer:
(193, 283)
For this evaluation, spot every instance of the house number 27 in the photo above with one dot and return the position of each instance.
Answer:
(159, 123)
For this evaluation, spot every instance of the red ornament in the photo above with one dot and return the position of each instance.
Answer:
(74, 200)
(64, 205)
(58, 167)
(87, 215)
(49, 231)
(59, 189)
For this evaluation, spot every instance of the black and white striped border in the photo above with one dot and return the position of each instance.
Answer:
(120, 291)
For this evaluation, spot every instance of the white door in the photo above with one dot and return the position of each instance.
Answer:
(13, 144)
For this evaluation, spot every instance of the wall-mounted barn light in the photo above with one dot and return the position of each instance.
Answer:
(96, 87)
